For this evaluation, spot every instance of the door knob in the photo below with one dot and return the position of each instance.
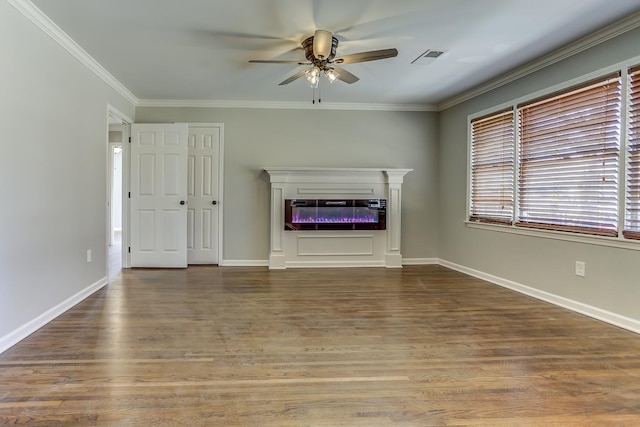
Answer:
(215, 202)
(182, 202)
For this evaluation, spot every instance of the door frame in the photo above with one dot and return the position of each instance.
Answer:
(126, 183)
(220, 183)
(110, 177)
(126, 132)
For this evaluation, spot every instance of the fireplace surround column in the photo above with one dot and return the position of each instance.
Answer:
(393, 257)
(343, 247)
(276, 255)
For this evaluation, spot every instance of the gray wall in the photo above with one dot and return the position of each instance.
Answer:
(612, 281)
(257, 138)
(52, 172)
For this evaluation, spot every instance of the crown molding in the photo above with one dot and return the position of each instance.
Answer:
(627, 24)
(35, 15)
(282, 105)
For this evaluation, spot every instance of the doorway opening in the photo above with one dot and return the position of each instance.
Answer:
(117, 158)
(115, 208)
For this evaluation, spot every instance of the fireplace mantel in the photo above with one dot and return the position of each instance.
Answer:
(335, 248)
(336, 175)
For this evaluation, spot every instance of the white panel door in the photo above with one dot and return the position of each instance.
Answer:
(202, 188)
(159, 195)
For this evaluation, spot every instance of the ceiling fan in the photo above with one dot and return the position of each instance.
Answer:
(320, 51)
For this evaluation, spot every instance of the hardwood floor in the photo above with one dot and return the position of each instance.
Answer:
(115, 256)
(420, 346)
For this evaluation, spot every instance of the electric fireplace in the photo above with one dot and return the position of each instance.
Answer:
(335, 214)
(335, 217)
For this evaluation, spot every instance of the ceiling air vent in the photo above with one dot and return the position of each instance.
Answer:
(429, 56)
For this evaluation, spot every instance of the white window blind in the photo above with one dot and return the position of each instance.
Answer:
(569, 159)
(492, 159)
(632, 216)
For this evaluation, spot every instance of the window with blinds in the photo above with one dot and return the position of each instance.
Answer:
(632, 211)
(492, 159)
(569, 149)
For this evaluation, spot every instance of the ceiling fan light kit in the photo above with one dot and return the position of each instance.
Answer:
(320, 51)
(331, 74)
(313, 76)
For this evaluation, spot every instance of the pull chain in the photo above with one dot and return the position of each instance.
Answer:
(313, 96)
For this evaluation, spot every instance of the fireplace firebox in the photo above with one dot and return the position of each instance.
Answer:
(332, 214)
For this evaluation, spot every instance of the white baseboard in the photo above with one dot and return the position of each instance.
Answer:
(14, 337)
(624, 322)
(265, 263)
(420, 261)
(244, 263)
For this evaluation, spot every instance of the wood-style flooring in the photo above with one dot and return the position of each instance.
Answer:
(418, 346)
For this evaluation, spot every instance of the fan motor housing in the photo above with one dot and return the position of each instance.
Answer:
(307, 45)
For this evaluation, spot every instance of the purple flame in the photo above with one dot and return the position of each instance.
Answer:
(299, 219)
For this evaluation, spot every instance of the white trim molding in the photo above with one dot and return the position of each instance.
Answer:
(420, 261)
(35, 15)
(607, 33)
(615, 319)
(285, 105)
(612, 242)
(14, 337)
(243, 263)
(265, 262)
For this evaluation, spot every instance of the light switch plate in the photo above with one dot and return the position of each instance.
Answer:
(580, 268)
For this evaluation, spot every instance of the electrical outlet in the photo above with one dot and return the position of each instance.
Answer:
(580, 268)
(88, 255)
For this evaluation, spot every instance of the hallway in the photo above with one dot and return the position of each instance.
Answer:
(115, 256)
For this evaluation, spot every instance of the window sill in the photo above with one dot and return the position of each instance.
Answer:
(614, 242)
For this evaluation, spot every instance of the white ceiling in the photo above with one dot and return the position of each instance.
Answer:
(199, 49)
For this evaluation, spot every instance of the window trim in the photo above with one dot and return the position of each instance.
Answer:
(626, 110)
(618, 242)
(590, 239)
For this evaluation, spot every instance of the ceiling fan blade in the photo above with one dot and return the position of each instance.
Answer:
(237, 34)
(273, 61)
(345, 76)
(372, 55)
(322, 41)
(296, 76)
